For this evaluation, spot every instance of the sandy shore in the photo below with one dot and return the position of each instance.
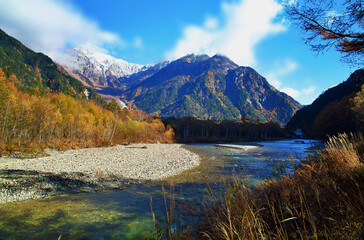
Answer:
(91, 169)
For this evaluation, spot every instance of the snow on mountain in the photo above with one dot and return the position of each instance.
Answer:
(102, 64)
(102, 70)
(123, 104)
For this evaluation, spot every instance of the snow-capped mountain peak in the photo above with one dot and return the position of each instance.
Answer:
(102, 63)
(102, 70)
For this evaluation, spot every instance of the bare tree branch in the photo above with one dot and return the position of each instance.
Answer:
(331, 23)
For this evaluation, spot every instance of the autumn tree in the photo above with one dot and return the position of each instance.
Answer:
(113, 105)
(4, 104)
(331, 23)
(335, 118)
(358, 102)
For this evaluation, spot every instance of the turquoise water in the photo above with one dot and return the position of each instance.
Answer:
(126, 214)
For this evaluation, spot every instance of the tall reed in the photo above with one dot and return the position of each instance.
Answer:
(323, 199)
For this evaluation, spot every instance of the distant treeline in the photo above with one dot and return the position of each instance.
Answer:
(194, 130)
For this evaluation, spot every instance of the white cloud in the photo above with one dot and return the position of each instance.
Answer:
(291, 92)
(286, 67)
(309, 91)
(138, 42)
(246, 23)
(211, 23)
(308, 95)
(274, 81)
(281, 68)
(50, 26)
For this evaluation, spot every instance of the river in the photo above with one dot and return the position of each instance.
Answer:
(126, 214)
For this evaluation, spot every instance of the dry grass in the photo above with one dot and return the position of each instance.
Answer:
(323, 199)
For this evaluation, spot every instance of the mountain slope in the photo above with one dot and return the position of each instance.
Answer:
(102, 71)
(331, 112)
(37, 72)
(211, 88)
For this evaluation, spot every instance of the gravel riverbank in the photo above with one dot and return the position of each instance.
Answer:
(91, 169)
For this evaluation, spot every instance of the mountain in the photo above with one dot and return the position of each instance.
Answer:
(140, 76)
(102, 71)
(210, 88)
(37, 72)
(199, 86)
(332, 112)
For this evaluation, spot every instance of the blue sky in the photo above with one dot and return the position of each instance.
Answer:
(250, 32)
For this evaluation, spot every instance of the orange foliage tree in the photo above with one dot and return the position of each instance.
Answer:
(330, 23)
(60, 121)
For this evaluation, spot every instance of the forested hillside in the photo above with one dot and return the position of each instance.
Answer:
(42, 107)
(339, 109)
(30, 122)
(37, 73)
(211, 88)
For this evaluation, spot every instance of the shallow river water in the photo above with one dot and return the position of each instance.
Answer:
(126, 214)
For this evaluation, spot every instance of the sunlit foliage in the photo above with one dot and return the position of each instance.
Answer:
(61, 121)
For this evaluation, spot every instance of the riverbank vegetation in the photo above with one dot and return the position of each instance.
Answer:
(322, 199)
(32, 122)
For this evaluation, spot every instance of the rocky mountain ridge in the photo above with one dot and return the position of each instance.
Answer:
(102, 70)
(210, 88)
(193, 86)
